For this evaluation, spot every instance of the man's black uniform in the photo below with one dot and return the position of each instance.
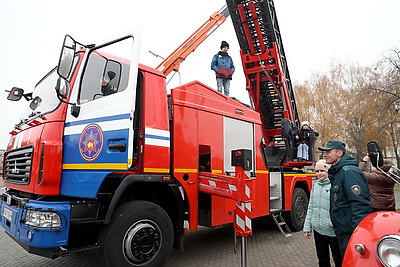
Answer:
(349, 199)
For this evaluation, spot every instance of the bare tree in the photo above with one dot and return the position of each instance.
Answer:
(355, 104)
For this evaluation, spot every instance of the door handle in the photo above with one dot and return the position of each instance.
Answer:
(121, 147)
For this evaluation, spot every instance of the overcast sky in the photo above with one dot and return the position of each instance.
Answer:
(314, 32)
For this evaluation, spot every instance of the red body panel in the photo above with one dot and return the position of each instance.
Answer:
(156, 159)
(368, 232)
(45, 135)
(289, 185)
(198, 120)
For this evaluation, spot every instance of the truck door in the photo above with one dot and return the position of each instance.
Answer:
(98, 131)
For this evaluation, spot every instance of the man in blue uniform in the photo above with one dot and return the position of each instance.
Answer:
(349, 197)
(223, 66)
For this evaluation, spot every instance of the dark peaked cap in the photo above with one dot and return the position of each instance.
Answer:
(333, 144)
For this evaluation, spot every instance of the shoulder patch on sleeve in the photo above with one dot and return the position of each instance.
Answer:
(356, 189)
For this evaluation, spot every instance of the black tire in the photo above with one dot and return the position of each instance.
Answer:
(140, 234)
(296, 217)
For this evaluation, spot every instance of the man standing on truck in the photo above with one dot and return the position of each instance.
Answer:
(223, 66)
(349, 196)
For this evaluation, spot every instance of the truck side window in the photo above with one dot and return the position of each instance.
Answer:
(204, 158)
(102, 77)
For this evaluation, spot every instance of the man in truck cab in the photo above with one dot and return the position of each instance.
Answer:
(106, 87)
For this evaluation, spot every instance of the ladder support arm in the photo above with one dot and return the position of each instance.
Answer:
(173, 61)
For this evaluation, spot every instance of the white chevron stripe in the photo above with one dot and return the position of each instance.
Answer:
(232, 187)
(248, 205)
(247, 191)
(240, 222)
(248, 222)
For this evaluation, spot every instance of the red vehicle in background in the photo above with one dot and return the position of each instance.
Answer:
(375, 242)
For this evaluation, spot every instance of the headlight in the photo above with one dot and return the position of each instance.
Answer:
(42, 219)
(389, 250)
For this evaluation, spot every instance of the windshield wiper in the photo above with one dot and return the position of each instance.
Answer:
(23, 121)
(37, 114)
(18, 125)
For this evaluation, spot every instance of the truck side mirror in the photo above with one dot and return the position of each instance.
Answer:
(62, 88)
(15, 94)
(35, 103)
(66, 57)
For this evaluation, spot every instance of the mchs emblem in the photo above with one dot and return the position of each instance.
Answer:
(91, 142)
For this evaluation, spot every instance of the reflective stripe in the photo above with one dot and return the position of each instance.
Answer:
(186, 170)
(240, 222)
(105, 126)
(157, 137)
(157, 170)
(96, 166)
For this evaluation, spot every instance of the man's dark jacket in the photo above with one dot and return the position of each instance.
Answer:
(350, 196)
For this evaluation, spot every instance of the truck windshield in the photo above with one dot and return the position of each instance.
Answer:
(46, 96)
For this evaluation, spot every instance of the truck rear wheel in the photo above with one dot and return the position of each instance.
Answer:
(296, 217)
(141, 234)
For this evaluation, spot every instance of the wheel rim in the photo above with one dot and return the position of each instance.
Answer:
(300, 207)
(142, 242)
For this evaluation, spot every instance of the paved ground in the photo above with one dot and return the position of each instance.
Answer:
(205, 247)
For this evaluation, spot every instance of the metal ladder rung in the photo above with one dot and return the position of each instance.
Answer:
(280, 222)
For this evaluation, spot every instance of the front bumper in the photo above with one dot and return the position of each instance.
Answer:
(37, 240)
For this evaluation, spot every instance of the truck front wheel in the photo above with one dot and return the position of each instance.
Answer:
(296, 217)
(141, 234)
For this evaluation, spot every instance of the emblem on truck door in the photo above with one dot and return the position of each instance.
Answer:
(91, 142)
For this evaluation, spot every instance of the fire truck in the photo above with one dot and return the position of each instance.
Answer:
(105, 159)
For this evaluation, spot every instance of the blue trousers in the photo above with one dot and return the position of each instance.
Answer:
(302, 151)
(223, 84)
